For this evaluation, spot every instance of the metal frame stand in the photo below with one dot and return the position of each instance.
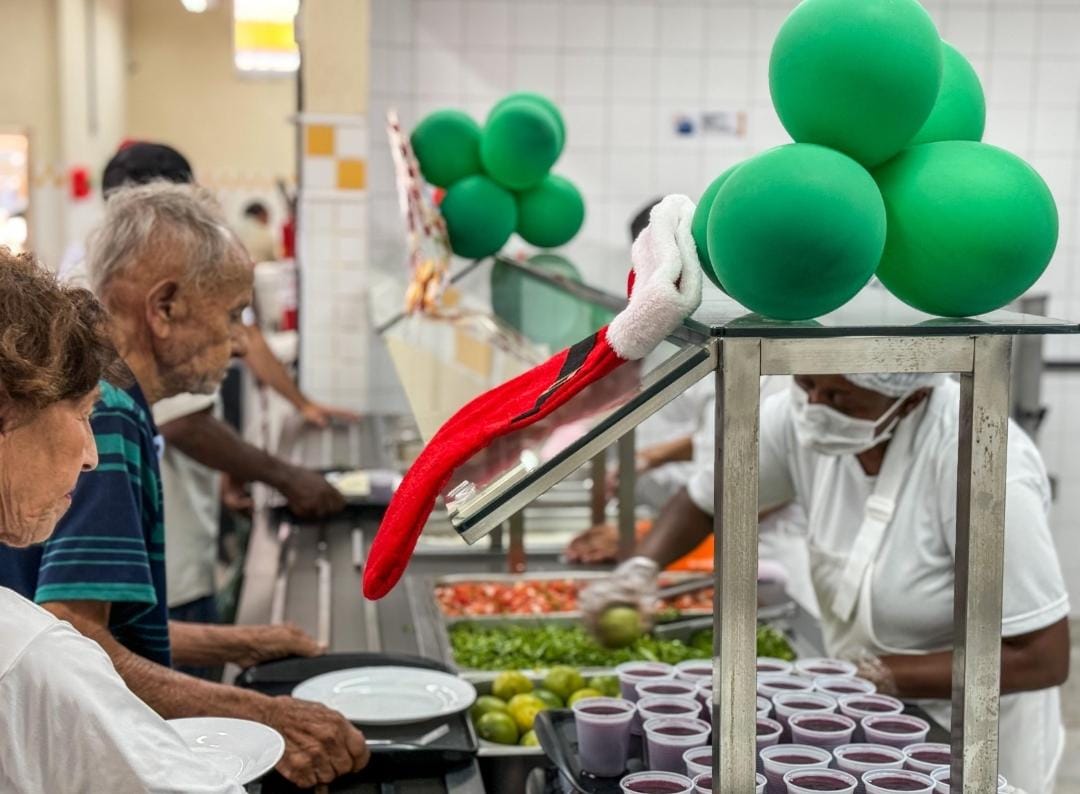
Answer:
(983, 363)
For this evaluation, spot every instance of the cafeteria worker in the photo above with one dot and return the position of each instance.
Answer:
(871, 459)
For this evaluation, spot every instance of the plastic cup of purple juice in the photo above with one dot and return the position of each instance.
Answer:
(703, 784)
(769, 685)
(941, 781)
(656, 783)
(704, 696)
(778, 760)
(927, 756)
(859, 706)
(827, 731)
(667, 706)
(698, 761)
(764, 706)
(895, 730)
(603, 733)
(815, 668)
(890, 781)
(694, 670)
(633, 673)
(769, 664)
(840, 686)
(809, 781)
(668, 687)
(858, 759)
(668, 738)
(787, 704)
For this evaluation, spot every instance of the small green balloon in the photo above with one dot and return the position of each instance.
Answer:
(519, 145)
(858, 76)
(480, 216)
(550, 214)
(960, 111)
(795, 232)
(447, 146)
(700, 224)
(971, 227)
(542, 101)
(542, 313)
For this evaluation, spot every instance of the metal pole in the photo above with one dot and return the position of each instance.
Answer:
(735, 509)
(598, 475)
(627, 484)
(980, 552)
(515, 555)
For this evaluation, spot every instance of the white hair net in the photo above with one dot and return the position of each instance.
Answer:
(897, 384)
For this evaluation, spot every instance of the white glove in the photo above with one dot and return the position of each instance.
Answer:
(632, 584)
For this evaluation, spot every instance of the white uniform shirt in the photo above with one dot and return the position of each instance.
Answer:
(913, 577)
(192, 494)
(71, 726)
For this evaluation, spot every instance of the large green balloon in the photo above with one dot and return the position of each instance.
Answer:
(960, 111)
(542, 101)
(550, 214)
(480, 216)
(795, 232)
(700, 224)
(859, 76)
(519, 145)
(971, 227)
(447, 146)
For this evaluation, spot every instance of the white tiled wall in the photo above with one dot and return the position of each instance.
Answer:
(622, 70)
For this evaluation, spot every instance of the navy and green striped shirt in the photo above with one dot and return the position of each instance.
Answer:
(110, 546)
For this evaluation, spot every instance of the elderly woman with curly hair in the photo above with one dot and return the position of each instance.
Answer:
(68, 721)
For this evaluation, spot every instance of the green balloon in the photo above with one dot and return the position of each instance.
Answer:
(971, 227)
(795, 232)
(542, 101)
(700, 224)
(542, 313)
(859, 76)
(519, 145)
(550, 214)
(960, 111)
(480, 216)
(447, 146)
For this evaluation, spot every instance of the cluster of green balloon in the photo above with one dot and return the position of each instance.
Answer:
(498, 178)
(887, 176)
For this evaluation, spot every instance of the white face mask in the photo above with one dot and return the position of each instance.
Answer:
(826, 430)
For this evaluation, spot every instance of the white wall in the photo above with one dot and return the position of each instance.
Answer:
(621, 70)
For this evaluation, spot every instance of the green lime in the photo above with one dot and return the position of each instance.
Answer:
(523, 709)
(510, 683)
(485, 704)
(607, 684)
(581, 694)
(495, 726)
(529, 740)
(564, 681)
(550, 699)
(619, 627)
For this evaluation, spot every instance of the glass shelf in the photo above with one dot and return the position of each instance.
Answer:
(507, 475)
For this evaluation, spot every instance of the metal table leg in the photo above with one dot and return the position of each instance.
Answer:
(980, 552)
(735, 505)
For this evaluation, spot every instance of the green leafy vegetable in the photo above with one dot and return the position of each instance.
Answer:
(480, 647)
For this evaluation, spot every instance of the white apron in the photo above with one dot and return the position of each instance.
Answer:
(1029, 749)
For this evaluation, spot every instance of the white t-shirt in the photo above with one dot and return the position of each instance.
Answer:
(192, 494)
(69, 724)
(913, 576)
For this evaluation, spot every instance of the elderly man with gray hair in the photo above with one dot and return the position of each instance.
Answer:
(175, 281)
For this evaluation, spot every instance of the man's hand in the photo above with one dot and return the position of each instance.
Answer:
(320, 744)
(266, 643)
(594, 546)
(309, 494)
(322, 415)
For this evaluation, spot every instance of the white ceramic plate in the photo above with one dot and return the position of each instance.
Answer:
(241, 750)
(389, 695)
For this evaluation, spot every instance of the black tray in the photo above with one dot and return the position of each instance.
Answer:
(387, 763)
(558, 736)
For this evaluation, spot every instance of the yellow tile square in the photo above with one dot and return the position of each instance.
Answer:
(351, 174)
(320, 139)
